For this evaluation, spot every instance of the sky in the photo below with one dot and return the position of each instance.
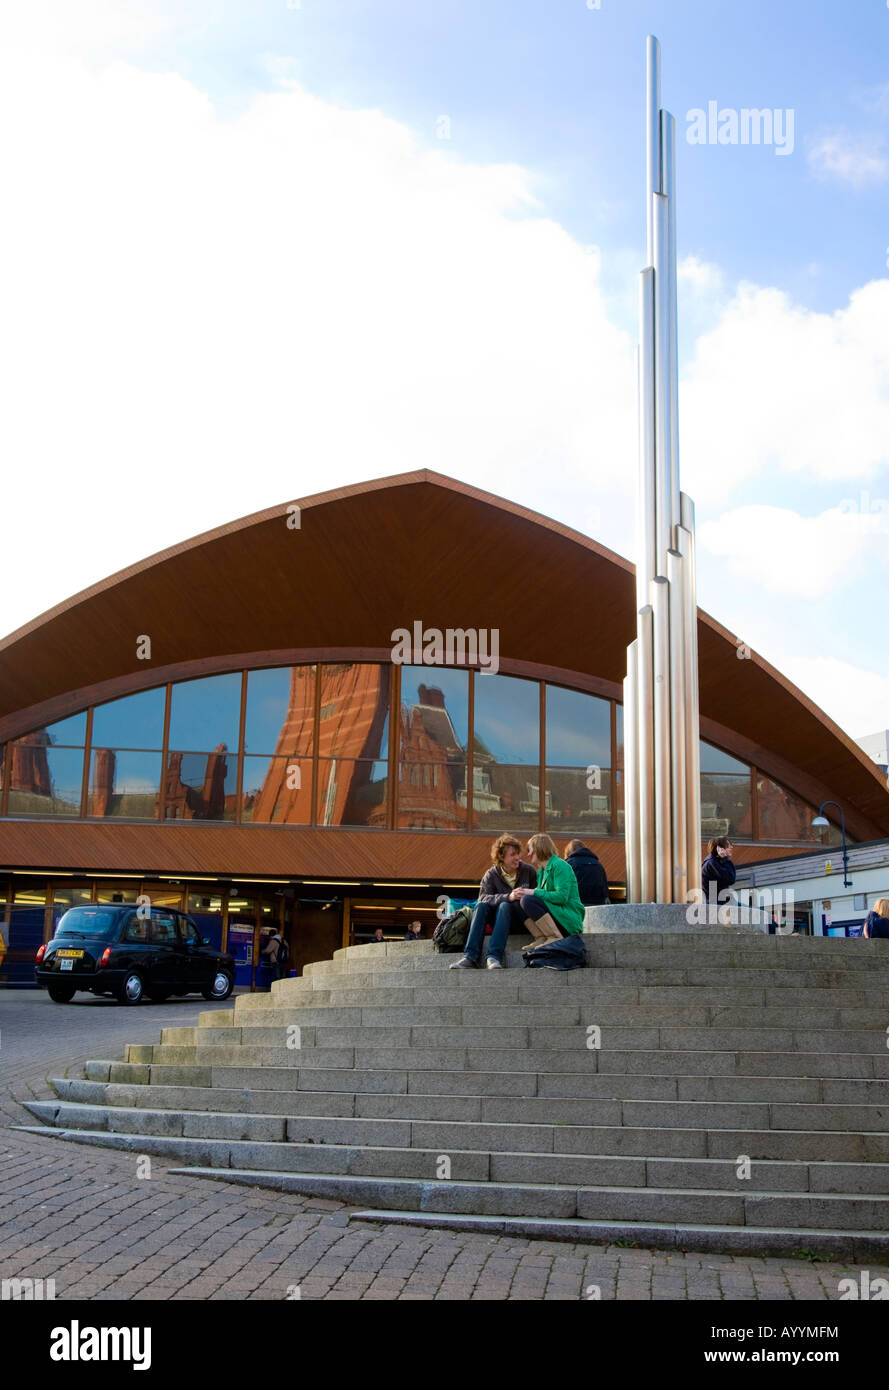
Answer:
(253, 251)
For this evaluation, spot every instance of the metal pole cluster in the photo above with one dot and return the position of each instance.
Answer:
(662, 810)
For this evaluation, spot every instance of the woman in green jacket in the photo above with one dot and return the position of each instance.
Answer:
(553, 909)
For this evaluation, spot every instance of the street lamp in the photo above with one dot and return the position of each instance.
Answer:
(822, 821)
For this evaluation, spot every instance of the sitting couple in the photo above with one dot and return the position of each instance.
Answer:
(540, 896)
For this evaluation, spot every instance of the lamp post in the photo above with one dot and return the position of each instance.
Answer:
(822, 821)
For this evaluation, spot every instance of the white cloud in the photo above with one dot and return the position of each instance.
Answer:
(85, 26)
(205, 317)
(858, 160)
(802, 557)
(780, 388)
(700, 277)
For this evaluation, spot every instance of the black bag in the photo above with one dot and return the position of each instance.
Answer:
(283, 955)
(569, 953)
(451, 933)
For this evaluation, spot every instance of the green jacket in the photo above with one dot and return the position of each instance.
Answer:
(557, 888)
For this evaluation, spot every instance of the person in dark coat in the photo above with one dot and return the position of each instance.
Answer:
(592, 880)
(718, 873)
(877, 922)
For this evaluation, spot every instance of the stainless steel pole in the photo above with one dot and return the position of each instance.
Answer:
(644, 715)
(668, 185)
(652, 134)
(686, 540)
(676, 576)
(630, 779)
(660, 599)
(663, 429)
(646, 546)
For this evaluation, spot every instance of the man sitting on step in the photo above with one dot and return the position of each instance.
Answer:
(498, 904)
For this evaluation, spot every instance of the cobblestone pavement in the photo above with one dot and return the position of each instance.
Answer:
(82, 1216)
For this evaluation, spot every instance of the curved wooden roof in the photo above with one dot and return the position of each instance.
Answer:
(377, 556)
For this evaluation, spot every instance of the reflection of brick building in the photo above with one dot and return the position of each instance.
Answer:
(184, 801)
(354, 705)
(102, 788)
(275, 801)
(29, 766)
(432, 767)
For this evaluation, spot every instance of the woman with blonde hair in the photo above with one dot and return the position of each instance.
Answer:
(553, 909)
(877, 921)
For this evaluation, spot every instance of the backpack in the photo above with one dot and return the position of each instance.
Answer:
(569, 953)
(451, 933)
(283, 955)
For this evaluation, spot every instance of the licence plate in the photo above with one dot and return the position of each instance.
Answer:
(69, 955)
(67, 964)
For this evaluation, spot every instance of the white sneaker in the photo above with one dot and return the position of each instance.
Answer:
(494, 965)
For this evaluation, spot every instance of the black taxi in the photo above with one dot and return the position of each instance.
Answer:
(130, 952)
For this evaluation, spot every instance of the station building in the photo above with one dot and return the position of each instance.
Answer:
(230, 727)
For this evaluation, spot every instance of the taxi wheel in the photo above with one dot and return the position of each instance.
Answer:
(132, 989)
(61, 994)
(221, 987)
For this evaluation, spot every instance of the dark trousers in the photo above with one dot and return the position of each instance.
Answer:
(535, 909)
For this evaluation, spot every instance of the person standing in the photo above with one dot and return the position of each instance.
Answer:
(274, 951)
(877, 921)
(592, 880)
(414, 931)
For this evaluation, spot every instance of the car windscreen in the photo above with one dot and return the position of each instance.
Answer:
(89, 921)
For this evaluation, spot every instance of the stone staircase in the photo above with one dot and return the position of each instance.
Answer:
(712, 1090)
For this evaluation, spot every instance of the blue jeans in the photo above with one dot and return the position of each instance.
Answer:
(502, 918)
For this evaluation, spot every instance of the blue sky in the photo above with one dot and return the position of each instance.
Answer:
(785, 404)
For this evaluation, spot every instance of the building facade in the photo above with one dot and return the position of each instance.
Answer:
(227, 726)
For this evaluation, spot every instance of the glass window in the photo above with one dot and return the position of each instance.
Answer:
(726, 807)
(352, 792)
(506, 796)
(210, 901)
(205, 713)
(507, 721)
(785, 816)
(280, 710)
(44, 781)
(136, 930)
(67, 733)
(122, 891)
(434, 714)
(87, 921)
(136, 721)
(578, 729)
(578, 802)
(201, 786)
(189, 932)
(163, 931)
(431, 796)
(277, 789)
(714, 760)
(65, 898)
(619, 733)
(124, 783)
(354, 717)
